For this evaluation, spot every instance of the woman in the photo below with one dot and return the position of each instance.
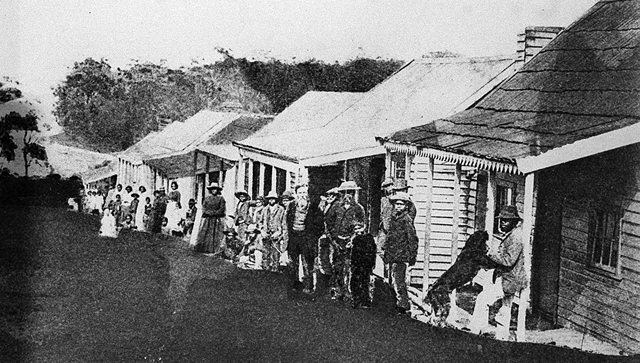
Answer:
(211, 234)
(174, 194)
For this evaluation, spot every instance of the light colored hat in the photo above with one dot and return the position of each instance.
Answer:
(333, 191)
(400, 184)
(214, 185)
(348, 185)
(272, 195)
(509, 212)
(387, 182)
(252, 228)
(401, 196)
(242, 192)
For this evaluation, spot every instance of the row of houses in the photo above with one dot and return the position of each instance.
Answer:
(554, 130)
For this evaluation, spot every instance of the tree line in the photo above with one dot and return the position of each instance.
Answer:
(108, 109)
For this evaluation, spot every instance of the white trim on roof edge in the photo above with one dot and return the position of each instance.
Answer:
(582, 148)
(451, 157)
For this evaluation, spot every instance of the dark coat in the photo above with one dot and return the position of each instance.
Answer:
(330, 217)
(401, 244)
(363, 252)
(346, 217)
(312, 222)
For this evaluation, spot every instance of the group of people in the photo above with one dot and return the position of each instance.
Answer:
(325, 243)
(326, 239)
(157, 212)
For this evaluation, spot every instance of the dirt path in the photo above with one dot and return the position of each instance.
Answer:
(67, 295)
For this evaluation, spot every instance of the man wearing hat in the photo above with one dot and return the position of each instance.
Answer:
(158, 209)
(272, 221)
(400, 248)
(211, 234)
(348, 214)
(242, 217)
(506, 250)
(329, 207)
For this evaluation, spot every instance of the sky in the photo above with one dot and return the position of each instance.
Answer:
(43, 38)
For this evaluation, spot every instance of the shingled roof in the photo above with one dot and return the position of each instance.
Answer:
(424, 89)
(585, 83)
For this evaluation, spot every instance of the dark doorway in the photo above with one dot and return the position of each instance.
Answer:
(323, 178)
(547, 243)
(255, 183)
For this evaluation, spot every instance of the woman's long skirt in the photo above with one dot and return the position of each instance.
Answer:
(211, 235)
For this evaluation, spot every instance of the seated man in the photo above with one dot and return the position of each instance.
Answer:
(506, 250)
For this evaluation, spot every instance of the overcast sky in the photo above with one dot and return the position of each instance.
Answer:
(45, 37)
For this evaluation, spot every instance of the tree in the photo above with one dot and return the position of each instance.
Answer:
(32, 150)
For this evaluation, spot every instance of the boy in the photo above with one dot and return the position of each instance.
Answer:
(363, 260)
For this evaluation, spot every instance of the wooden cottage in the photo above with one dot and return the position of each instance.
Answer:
(561, 140)
(324, 137)
(172, 154)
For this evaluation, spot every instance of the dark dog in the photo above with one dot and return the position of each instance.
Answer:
(472, 258)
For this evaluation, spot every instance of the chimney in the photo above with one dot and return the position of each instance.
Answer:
(534, 39)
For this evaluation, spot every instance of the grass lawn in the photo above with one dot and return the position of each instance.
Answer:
(67, 295)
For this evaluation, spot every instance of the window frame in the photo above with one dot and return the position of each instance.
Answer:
(595, 226)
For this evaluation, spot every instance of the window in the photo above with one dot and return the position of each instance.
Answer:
(398, 165)
(505, 195)
(604, 238)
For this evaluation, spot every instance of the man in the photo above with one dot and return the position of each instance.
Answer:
(349, 213)
(386, 211)
(242, 217)
(211, 234)
(271, 229)
(329, 207)
(510, 278)
(158, 210)
(400, 248)
(302, 230)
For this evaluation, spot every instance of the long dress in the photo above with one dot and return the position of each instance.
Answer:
(157, 214)
(212, 226)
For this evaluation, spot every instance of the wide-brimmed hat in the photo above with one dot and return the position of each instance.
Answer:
(287, 195)
(242, 192)
(252, 228)
(509, 212)
(214, 185)
(332, 191)
(348, 185)
(400, 196)
(386, 182)
(272, 195)
(401, 184)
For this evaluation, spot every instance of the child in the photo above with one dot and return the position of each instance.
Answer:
(128, 222)
(116, 209)
(190, 217)
(363, 260)
(108, 225)
(165, 228)
(147, 213)
(252, 244)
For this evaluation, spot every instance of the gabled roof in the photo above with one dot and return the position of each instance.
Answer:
(69, 160)
(181, 136)
(423, 89)
(216, 142)
(585, 83)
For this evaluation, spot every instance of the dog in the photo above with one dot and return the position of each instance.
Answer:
(471, 259)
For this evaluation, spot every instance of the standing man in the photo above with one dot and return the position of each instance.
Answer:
(243, 217)
(302, 234)
(348, 215)
(506, 249)
(211, 233)
(272, 221)
(330, 212)
(158, 210)
(400, 248)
